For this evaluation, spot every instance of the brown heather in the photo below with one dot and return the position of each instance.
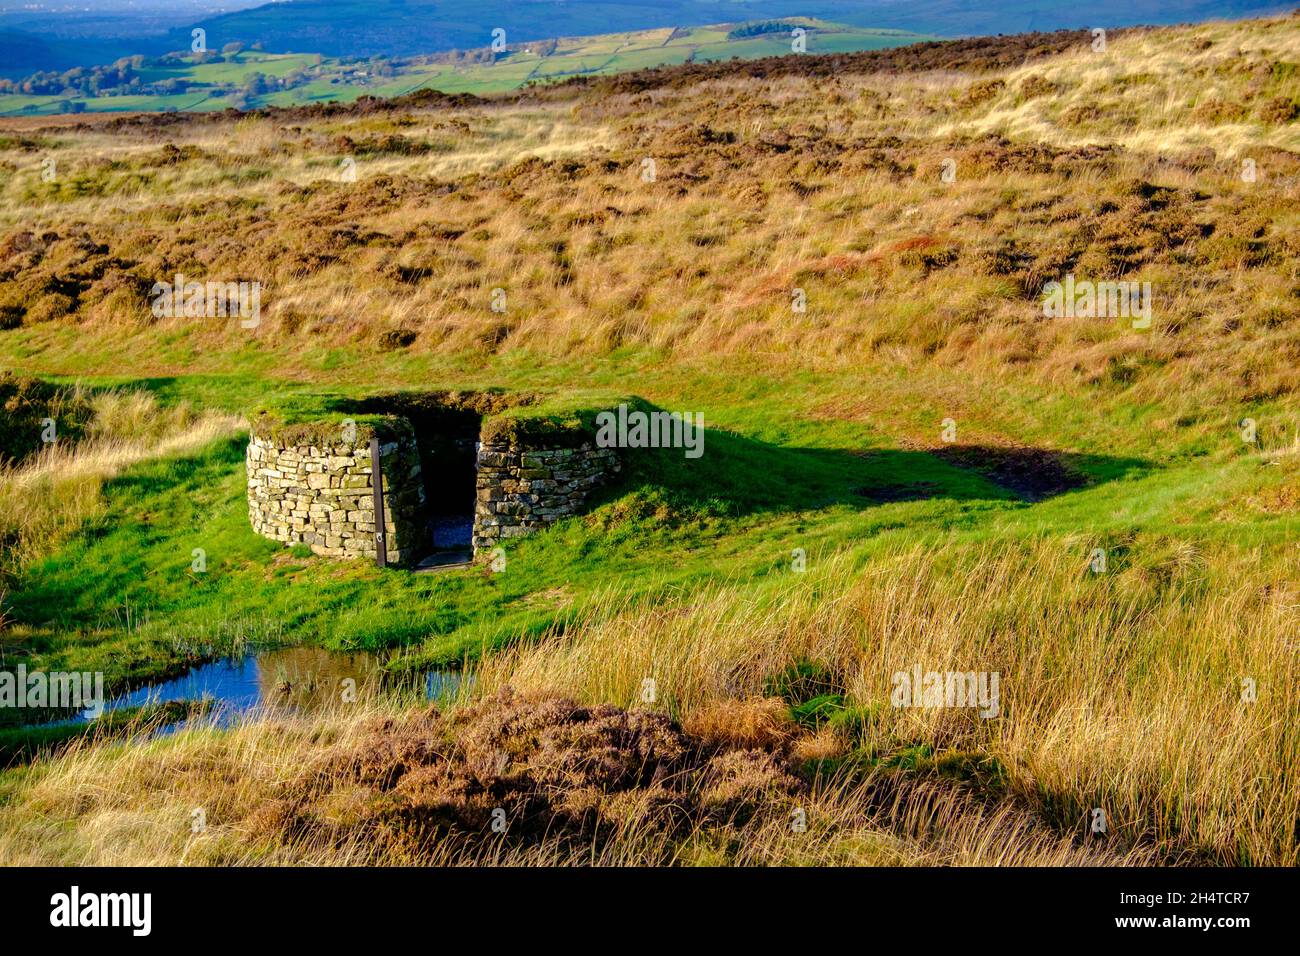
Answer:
(766, 179)
(577, 785)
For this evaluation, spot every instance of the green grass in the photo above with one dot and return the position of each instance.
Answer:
(20, 745)
(684, 570)
(121, 596)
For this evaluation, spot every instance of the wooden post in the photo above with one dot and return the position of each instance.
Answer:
(377, 483)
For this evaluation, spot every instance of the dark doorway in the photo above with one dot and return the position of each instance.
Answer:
(447, 426)
(446, 434)
(447, 459)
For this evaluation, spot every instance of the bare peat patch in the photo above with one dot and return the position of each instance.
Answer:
(1031, 473)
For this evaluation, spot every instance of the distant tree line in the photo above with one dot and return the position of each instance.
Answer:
(122, 75)
(479, 55)
(126, 77)
(758, 29)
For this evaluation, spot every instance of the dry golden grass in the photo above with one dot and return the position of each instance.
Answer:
(57, 491)
(1165, 90)
(831, 185)
(135, 804)
(1121, 692)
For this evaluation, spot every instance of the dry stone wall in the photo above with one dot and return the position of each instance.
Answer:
(322, 495)
(304, 488)
(523, 489)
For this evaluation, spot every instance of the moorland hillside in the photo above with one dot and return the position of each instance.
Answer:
(842, 263)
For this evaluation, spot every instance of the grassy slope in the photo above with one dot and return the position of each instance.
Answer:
(772, 485)
(758, 406)
(683, 298)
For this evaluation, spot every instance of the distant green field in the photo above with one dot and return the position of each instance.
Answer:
(217, 86)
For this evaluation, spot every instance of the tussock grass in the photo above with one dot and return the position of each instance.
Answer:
(763, 185)
(1218, 85)
(58, 490)
(1120, 691)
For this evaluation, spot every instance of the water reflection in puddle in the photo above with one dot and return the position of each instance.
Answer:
(296, 679)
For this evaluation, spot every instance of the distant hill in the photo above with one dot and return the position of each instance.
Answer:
(22, 52)
(412, 27)
(253, 78)
(407, 27)
(364, 28)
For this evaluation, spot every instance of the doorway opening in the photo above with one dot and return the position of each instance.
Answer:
(446, 427)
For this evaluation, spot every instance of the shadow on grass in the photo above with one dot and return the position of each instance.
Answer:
(137, 556)
(737, 476)
(142, 547)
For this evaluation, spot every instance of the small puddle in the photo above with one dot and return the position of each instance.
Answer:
(293, 679)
